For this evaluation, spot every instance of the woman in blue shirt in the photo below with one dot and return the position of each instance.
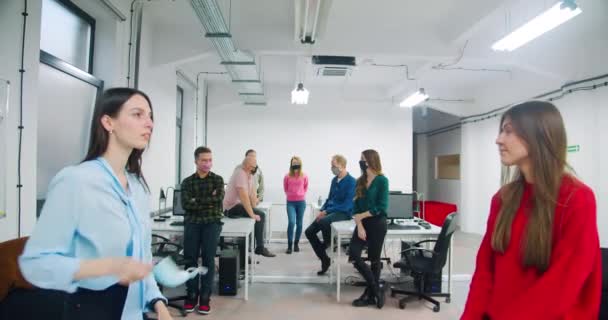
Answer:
(93, 237)
(369, 213)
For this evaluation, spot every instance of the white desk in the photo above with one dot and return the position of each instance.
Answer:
(265, 206)
(346, 228)
(234, 228)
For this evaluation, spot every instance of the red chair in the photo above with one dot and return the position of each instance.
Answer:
(435, 212)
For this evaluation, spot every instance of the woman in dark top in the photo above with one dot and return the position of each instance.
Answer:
(371, 202)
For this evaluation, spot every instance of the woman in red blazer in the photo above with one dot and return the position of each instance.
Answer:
(540, 256)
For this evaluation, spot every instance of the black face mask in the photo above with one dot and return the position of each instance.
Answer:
(363, 165)
(254, 170)
(296, 167)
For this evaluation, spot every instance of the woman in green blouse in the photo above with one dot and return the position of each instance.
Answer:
(369, 213)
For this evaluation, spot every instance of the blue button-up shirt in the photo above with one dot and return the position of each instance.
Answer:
(341, 194)
(88, 215)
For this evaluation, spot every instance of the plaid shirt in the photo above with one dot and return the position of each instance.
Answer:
(202, 198)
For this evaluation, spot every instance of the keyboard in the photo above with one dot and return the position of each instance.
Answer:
(177, 223)
(403, 227)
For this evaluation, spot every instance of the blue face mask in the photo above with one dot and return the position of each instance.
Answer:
(168, 274)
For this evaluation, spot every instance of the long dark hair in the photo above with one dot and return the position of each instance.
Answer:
(540, 125)
(373, 162)
(110, 103)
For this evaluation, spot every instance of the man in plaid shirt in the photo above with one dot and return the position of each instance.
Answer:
(202, 196)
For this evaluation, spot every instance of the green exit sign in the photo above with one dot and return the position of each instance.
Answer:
(574, 148)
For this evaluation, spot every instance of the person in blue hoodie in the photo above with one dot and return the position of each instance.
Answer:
(93, 238)
(337, 207)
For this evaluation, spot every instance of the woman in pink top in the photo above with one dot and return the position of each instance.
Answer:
(295, 185)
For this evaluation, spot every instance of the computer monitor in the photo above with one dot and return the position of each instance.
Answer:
(178, 210)
(400, 206)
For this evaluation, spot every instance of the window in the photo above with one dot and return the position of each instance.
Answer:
(67, 32)
(447, 167)
(67, 87)
(178, 134)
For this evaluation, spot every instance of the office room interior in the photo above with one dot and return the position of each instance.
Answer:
(224, 74)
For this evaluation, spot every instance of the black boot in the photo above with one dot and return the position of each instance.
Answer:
(289, 245)
(296, 247)
(325, 262)
(376, 268)
(374, 296)
(365, 299)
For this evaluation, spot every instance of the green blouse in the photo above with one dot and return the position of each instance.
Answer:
(375, 199)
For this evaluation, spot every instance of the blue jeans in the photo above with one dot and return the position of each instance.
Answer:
(295, 214)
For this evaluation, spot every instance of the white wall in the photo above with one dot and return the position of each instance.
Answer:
(479, 172)
(422, 169)
(160, 82)
(188, 127)
(582, 113)
(109, 64)
(11, 24)
(326, 126)
(442, 189)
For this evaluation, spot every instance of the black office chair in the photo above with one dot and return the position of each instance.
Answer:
(424, 265)
(161, 248)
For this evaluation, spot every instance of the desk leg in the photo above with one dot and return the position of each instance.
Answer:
(333, 258)
(268, 226)
(338, 278)
(254, 257)
(450, 268)
(247, 244)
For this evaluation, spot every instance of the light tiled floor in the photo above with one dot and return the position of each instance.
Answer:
(306, 264)
(312, 300)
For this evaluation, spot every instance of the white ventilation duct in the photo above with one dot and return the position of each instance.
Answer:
(240, 65)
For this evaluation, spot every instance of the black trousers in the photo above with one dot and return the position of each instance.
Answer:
(375, 229)
(46, 304)
(323, 225)
(238, 211)
(201, 239)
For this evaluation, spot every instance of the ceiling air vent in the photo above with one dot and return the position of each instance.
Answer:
(333, 71)
(334, 66)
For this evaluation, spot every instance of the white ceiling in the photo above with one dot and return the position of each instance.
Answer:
(418, 33)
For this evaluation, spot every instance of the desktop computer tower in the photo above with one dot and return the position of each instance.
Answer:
(228, 272)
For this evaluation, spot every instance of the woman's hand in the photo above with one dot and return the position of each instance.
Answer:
(361, 232)
(129, 270)
(162, 311)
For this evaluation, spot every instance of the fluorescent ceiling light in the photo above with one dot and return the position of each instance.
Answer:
(307, 24)
(299, 95)
(414, 99)
(558, 14)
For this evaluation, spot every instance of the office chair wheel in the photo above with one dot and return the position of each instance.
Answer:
(402, 304)
(448, 300)
(436, 309)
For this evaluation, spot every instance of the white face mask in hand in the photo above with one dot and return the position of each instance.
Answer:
(168, 274)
